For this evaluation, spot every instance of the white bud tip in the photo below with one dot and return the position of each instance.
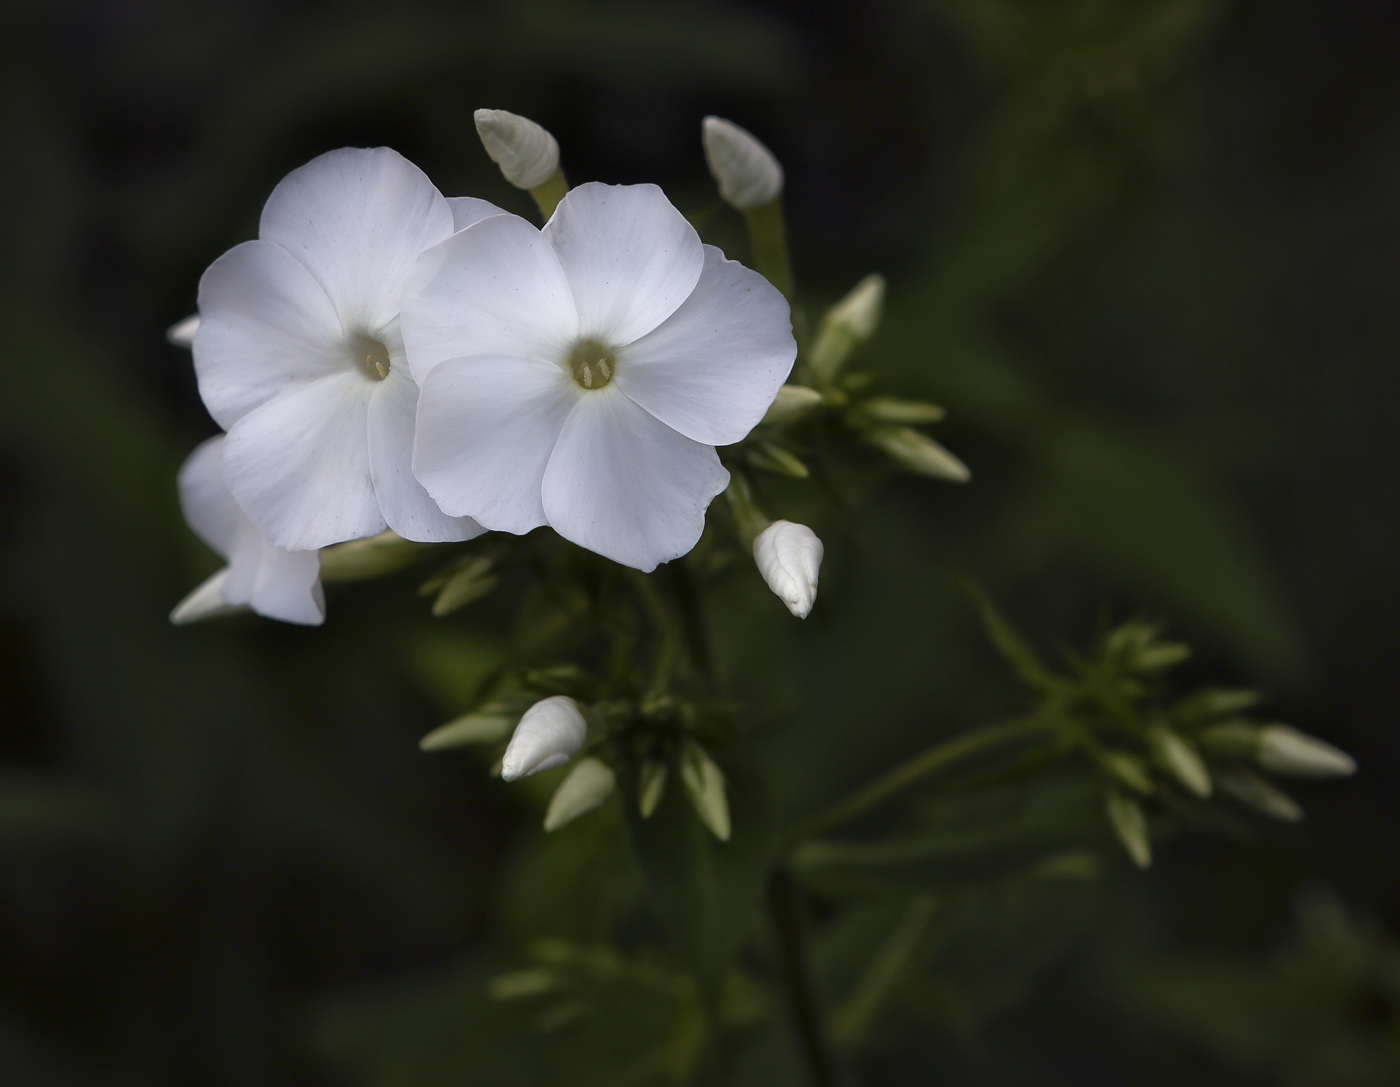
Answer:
(206, 602)
(859, 312)
(748, 174)
(790, 404)
(181, 333)
(549, 735)
(588, 785)
(1286, 751)
(789, 556)
(526, 153)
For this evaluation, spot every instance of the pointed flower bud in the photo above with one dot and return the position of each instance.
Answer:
(1286, 751)
(847, 324)
(1126, 817)
(487, 725)
(651, 785)
(370, 557)
(549, 735)
(789, 557)
(791, 404)
(919, 453)
(470, 581)
(526, 153)
(893, 409)
(181, 333)
(206, 602)
(588, 785)
(1180, 759)
(1254, 792)
(704, 784)
(748, 174)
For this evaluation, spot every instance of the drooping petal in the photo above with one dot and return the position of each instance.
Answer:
(712, 369)
(265, 326)
(279, 584)
(630, 257)
(468, 210)
(622, 483)
(406, 506)
(357, 218)
(495, 288)
(486, 428)
(299, 465)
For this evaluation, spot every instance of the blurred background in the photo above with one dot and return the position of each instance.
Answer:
(1144, 251)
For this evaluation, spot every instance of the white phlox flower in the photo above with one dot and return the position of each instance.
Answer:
(789, 556)
(279, 584)
(549, 734)
(581, 376)
(300, 358)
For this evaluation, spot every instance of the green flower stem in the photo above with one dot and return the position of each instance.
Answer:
(912, 770)
(787, 926)
(548, 195)
(670, 637)
(768, 237)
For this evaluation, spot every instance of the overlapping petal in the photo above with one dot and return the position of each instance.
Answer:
(468, 211)
(624, 484)
(487, 426)
(495, 288)
(299, 465)
(358, 218)
(265, 326)
(712, 369)
(630, 257)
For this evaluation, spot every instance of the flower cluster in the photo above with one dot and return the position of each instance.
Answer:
(383, 358)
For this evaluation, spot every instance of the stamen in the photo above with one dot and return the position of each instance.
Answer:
(592, 364)
(370, 356)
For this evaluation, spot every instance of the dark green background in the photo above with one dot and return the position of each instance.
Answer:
(1145, 253)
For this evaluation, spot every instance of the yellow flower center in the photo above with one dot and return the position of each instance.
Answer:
(592, 364)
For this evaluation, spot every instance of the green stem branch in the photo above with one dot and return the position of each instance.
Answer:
(787, 926)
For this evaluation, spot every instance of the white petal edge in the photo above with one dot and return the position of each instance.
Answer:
(468, 211)
(487, 427)
(630, 257)
(495, 288)
(622, 483)
(358, 218)
(265, 326)
(299, 465)
(712, 369)
(406, 506)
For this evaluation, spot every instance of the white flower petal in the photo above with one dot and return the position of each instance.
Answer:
(712, 369)
(279, 584)
(495, 288)
(468, 210)
(486, 428)
(406, 506)
(358, 219)
(299, 465)
(265, 325)
(630, 257)
(624, 484)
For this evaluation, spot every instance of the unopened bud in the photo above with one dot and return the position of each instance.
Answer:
(1128, 769)
(1254, 792)
(791, 404)
(549, 735)
(1180, 759)
(748, 174)
(1286, 751)
(181, 333)
(789, 556)
(371, 557)
(206, 602)
(588, 785)
(704, 784)
(771, 457)
(893, 409)
(919, 453)
(470, 581)
(1126, 817)
(651, 785)
(526, 153)
(847, 324)
(487, 725)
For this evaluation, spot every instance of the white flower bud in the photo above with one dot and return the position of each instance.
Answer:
(791, 404)
(588, 785)
(919, 453)
(181, 333)
(859, 312)
(526, 153)
(748, 174)
(1284, 750)
(789, 557)
(704, 784)
(206, 602)
(549, 735)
